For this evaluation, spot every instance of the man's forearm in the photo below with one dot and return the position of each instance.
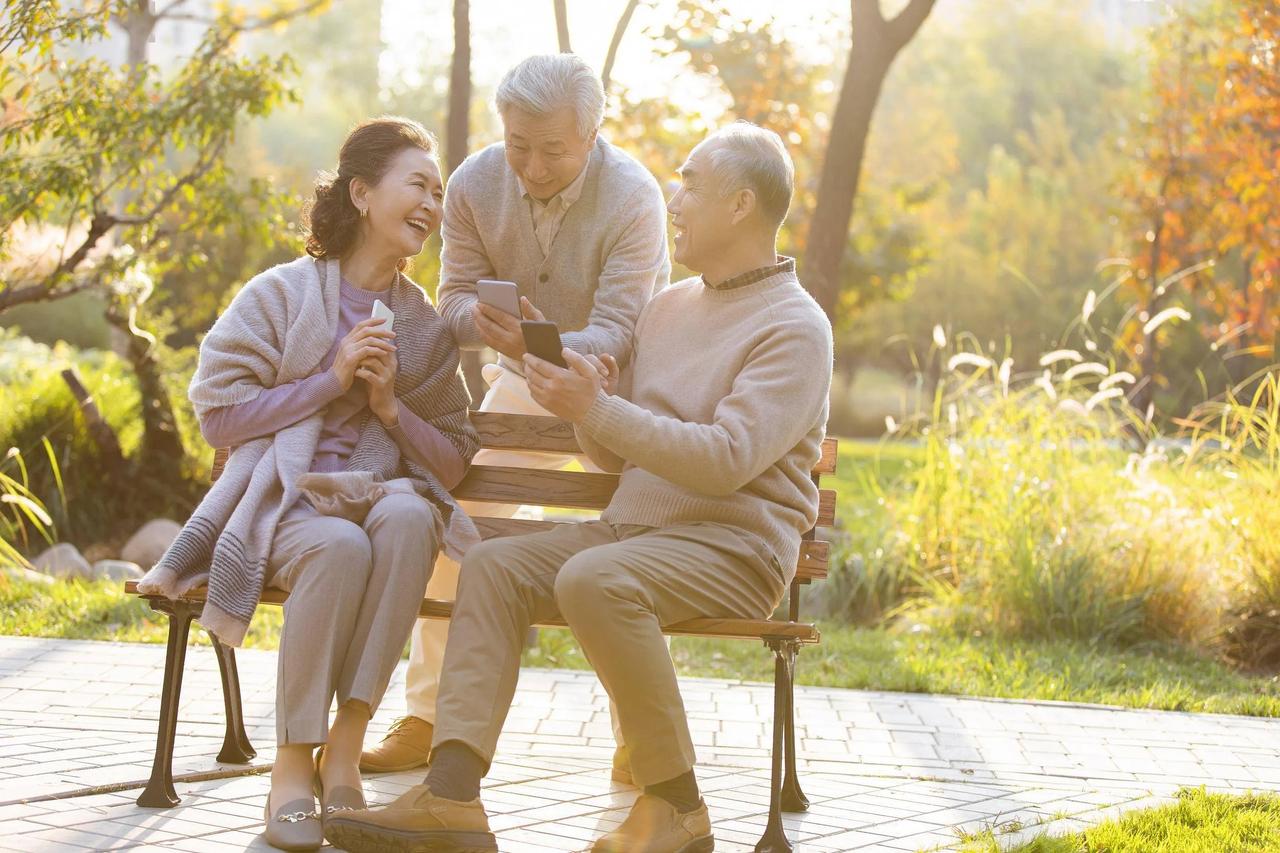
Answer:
(456, 308)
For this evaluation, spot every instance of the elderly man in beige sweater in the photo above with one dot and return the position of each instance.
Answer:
(579, 226)
(715, 425)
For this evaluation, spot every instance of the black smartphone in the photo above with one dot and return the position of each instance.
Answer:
(542, 338)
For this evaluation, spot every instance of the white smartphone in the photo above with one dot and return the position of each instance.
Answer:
(382, 312)
(503, 295)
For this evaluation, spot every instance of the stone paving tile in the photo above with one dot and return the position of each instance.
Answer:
(882, 771)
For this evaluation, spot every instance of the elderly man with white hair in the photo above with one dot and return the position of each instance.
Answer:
(715, 425)
(579, 226)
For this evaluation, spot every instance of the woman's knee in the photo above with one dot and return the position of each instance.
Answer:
(412, 511)
(342, 550)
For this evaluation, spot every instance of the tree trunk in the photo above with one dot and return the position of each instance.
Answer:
(874, 44)
(457, 141)
(458, 123)
(99, 430)
(562, 25)
(139, 25)
(161, 441)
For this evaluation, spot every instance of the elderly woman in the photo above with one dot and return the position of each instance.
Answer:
(348, 430)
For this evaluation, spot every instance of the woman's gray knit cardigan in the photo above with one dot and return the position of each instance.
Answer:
(279, 329)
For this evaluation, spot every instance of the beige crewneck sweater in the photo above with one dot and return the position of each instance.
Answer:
(721, 413)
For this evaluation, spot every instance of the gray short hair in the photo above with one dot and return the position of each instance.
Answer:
(540, 85)
(752, 157)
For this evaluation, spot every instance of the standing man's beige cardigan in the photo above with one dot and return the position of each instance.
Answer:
(608, 256)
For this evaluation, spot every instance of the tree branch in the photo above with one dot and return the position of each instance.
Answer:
(99, 226)
(618, 32)
(903, 27)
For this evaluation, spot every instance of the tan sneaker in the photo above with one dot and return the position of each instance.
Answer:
(417, 820)
(654, 826)
(407, 745)
(622, 765)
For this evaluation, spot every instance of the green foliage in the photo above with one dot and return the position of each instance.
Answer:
(89, 151)
(1001, 126)
(100, 610)
(72, 478)
(22, 514)
(79, 320)
(1039, 504)
(1199, 822)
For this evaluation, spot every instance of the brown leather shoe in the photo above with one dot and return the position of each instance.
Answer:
(654, 826)
(416, 822)
(406, 746)
(621, 771)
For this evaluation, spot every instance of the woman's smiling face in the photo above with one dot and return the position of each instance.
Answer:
(405, 206)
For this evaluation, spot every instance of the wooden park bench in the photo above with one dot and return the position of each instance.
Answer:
(577, 490)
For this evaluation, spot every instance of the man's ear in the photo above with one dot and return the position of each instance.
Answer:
(744, 204)
(591, 140)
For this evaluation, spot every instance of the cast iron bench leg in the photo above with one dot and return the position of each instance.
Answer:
(793, 798)
(236, 748)
(159, 793)
(774, 839)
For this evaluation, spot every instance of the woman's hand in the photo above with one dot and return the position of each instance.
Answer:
(379, 373)
(366, 341)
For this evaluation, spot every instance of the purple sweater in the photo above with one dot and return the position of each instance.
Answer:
(279, 407)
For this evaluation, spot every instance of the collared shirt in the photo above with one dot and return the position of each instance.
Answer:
(784, 264)
(549, 215)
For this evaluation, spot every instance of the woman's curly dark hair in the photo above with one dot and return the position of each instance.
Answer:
(332, 219)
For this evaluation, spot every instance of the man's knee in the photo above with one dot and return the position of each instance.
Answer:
(592, 582)
(487, 564)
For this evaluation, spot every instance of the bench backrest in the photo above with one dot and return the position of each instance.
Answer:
(584, 492)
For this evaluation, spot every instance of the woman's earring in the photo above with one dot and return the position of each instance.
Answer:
(364, 213)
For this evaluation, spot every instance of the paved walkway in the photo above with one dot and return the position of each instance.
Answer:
(884, 771)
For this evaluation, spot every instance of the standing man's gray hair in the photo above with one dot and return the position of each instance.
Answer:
(540, 85)
(748, 156)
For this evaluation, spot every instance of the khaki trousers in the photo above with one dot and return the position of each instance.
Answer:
(354, 592)
(616, 586)
(508, 393)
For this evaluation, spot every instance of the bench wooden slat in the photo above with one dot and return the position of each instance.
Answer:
(572, 489)
(830, 453)
(814, 553)
(748, 629)
(501, 431)
(826, 508)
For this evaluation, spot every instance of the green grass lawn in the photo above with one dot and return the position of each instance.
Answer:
(861, 658)
(1198, 823)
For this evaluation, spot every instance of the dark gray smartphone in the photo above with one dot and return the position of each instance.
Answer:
(542, 338)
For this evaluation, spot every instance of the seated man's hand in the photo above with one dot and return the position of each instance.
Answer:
(607, 367)
(566, 394)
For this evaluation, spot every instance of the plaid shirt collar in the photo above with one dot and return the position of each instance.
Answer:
(783, 265)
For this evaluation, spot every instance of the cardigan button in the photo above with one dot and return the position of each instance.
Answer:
(543, 278)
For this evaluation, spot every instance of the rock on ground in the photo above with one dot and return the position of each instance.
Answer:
(150, 542)
(63, 561)
(119, 570)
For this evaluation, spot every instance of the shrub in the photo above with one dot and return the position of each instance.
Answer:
(1042, 505)
(88, 499)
